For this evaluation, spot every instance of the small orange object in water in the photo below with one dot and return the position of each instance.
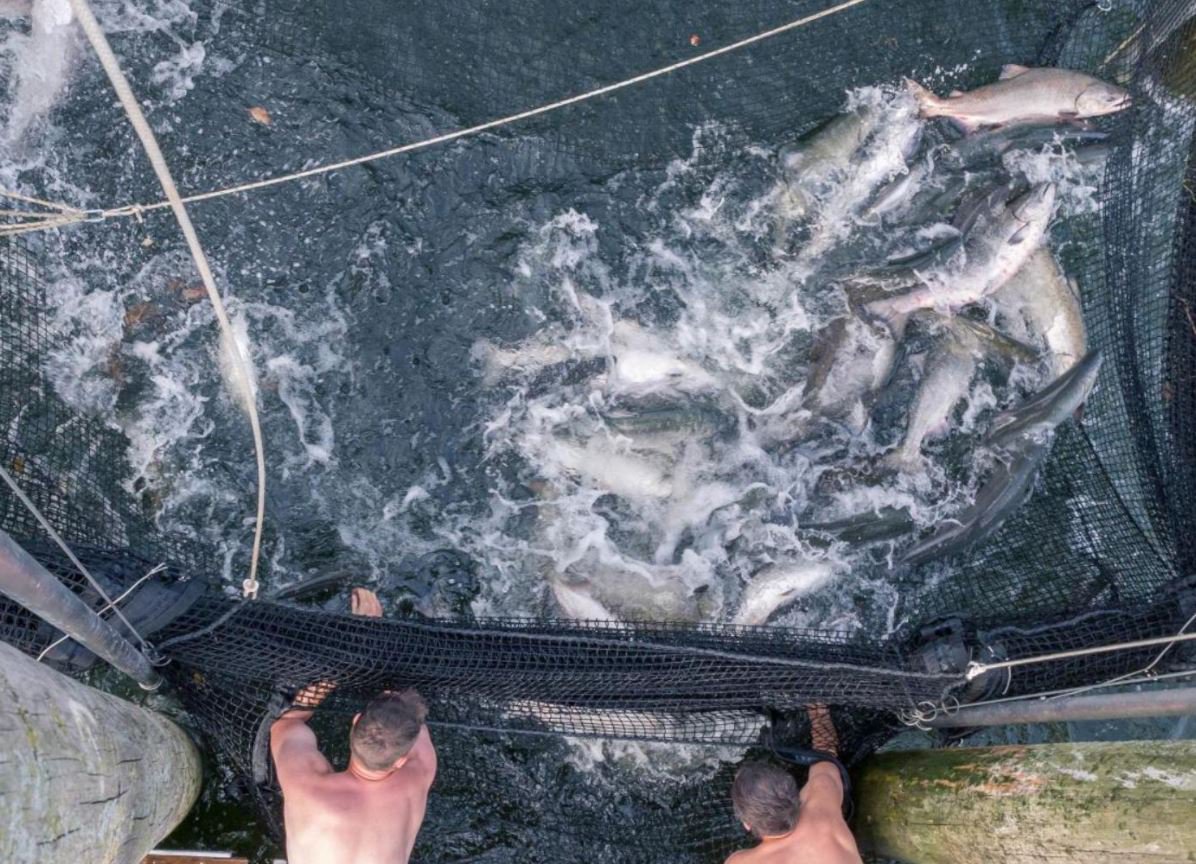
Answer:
(695, 40)
(258, 114)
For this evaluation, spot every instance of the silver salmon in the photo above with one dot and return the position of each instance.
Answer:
(1041, 303)
(778, 585)
(950, 366)
(812, 164)
(1024, 95)
(992, 252)
(1021, 440)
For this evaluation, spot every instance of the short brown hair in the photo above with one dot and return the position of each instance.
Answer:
(765, 799)
(387, 728)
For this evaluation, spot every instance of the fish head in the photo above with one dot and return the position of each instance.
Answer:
(1034, 208)
(1084, 375)
(793, 158)
(1102, 98)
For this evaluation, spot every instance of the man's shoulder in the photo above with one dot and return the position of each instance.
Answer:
(413, 780)
(827, 840)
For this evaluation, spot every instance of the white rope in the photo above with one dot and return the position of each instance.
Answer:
(926, 711)
(113, 605)
(54, 535)
(975, 670)
(136, 209)
(1145, 670)
(99, 42)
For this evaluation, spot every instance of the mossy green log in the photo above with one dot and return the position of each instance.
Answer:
(85, 777)
(1093, 803)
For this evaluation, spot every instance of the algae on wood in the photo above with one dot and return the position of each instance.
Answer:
(1083, 803)
(85, 777)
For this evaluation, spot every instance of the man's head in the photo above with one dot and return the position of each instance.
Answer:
(765, 799)
(384, 733)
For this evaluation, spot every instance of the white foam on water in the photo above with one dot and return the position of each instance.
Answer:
(172, 77)
(41, 62)
(702, 503)
(881, 158)
(722, 495)
(88, 326)
(1077, 185)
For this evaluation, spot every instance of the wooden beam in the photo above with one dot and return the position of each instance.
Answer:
(85, 776)
(1098, 803)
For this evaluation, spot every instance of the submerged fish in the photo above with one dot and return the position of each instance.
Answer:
(1021, 441)
(812, 164)
(850, 361)
(652, 428)
(635, 477)
(778, 585)
(872, 526)
(996, 248)
(530, 357)
(628, 724)
(948, 373)
(643, 363)
(884, 156)
(1032, 421)
(946, 378)
(986, 148)
(1040, 302)
(624, 590)
(897, 194)
(1024, 95)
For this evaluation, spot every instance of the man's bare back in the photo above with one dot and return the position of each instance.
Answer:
(363, 815)
(340, 817)
(821, 835)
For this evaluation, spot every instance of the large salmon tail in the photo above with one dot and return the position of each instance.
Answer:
(929, 105)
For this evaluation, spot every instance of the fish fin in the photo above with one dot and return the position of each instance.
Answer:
(1019, 236)
(926, 257)
(901, 462)
(954, 94)
(964, 124)
(929, 105)
(1012, 70)
(1074, 285)
(993, 341)
(1071, 117)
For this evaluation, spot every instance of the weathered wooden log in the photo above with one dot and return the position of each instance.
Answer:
(85, 776)
(1065, 803)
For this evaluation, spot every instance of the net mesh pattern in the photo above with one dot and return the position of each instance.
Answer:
(1098, 555)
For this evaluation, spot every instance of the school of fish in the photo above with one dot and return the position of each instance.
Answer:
(978, 297)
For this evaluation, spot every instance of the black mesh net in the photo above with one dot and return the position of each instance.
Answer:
(1098, 555)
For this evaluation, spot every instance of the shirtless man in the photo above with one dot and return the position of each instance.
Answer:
(371, 812)
(795, 829)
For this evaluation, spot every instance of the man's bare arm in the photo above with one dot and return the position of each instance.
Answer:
(423, 754)
(823, 792)
(292, 743)
(363, 602)
(822, 796)
(296, 753)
